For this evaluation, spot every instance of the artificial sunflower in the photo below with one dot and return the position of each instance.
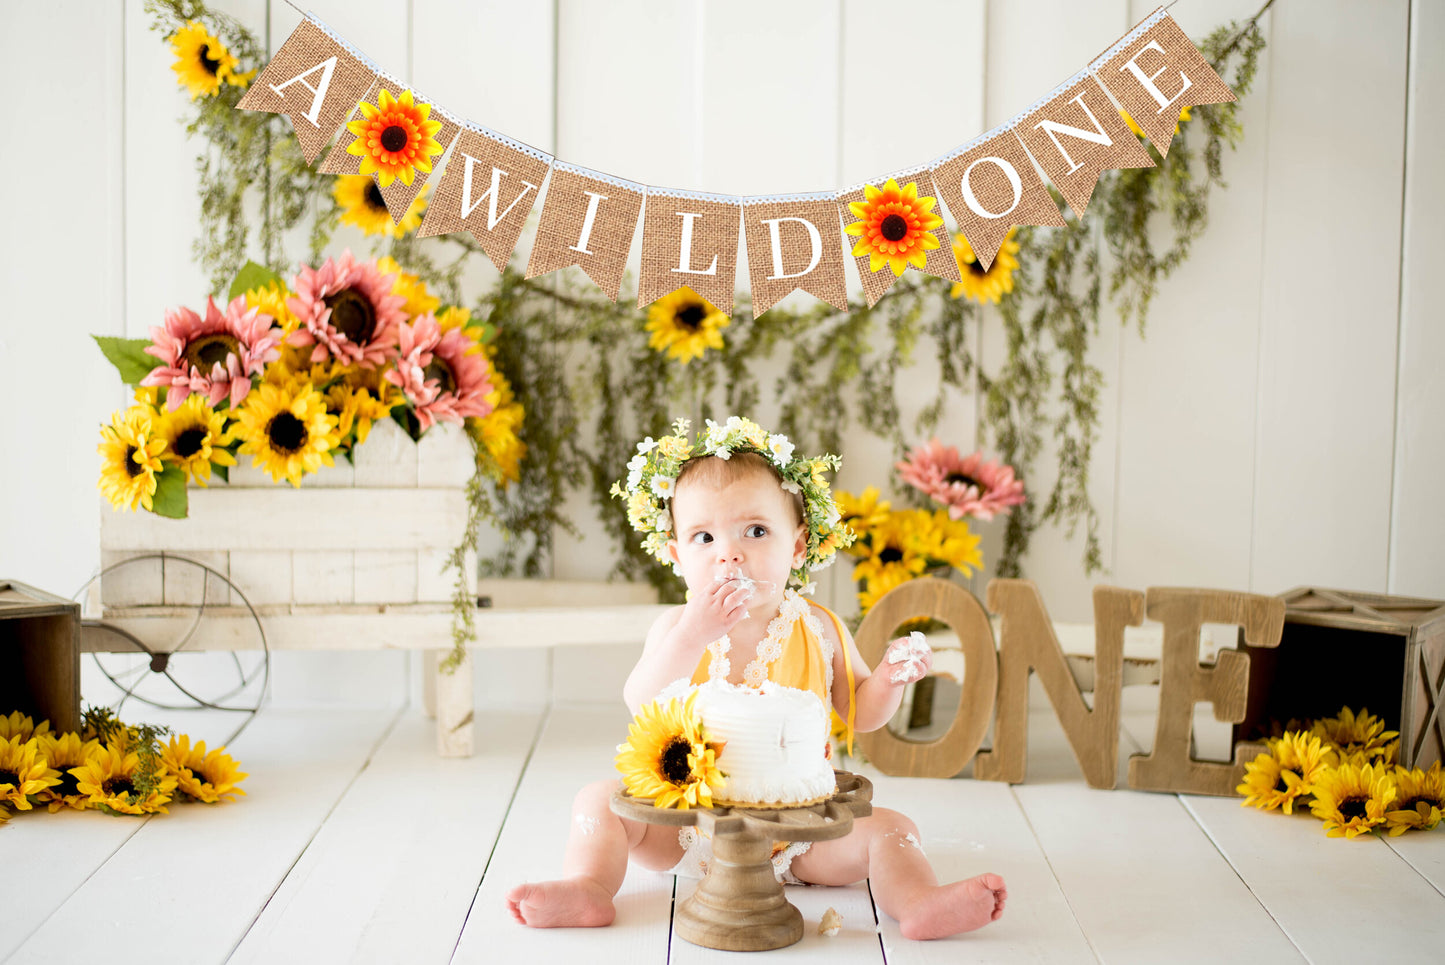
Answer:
(203, 62)
(196, 438)
(130, 449)
(497, 431)
(894, 544)
(23, 726)
(287, 430)
(23, 772)
(863, 513)
(411, 288)
(881, 580)
(949, 541)
(685, 325)
(1352, 800)
(113, 780)
(362, 205)
(982, 284)
(64, 752)
(894, 227)
(668, 758)
(358, 399)
(201, 776)
(1286, 773)
(1139, 131)
(1361, 739)
(394, 138)
(1420, 801)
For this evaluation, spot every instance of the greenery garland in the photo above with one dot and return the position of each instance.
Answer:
(572, 355)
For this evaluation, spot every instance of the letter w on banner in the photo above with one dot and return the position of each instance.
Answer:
(588, 220)
(794, 241)
(689, 239)
(315, 79)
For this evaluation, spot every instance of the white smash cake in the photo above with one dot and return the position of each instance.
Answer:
(776, 744)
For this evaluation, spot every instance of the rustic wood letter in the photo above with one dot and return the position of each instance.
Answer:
(1169, 766)
(956, 607)
(1028, 644)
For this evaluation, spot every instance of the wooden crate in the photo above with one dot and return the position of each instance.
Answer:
(1385, 654)
(39, 655)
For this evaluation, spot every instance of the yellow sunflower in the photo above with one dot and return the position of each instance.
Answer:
(863, 513)
(685, 325)
(270, 299)
(1352, 800)
(394, 138)
(1277, 779)
(130, 449)
(1183, 116)
(1361, 739)
(894, 543)
(358, 399)
(1420, 801)
(286, 430)
(498, 430)
(23, 772)
(894, 227)
(362, 205)
(202, 776)
(112, 780)
(23, 726)
(195, 437)
(982, 285)
(202, 61)
(947, 541)
(419, 301)
(883, 579)
(667, 756)
(62, 753)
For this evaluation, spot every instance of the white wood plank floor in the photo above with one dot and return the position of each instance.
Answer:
(357, 844)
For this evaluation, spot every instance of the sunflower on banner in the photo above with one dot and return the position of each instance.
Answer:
(684, 325)
(894, 227)
(394, 138)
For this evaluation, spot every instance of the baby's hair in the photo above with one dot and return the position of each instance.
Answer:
(717, 473)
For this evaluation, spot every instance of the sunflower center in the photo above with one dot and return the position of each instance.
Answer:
(1353, 807)
(209, 350)
(976, 267)
(374, 198)
(189, 442)
(211, 64)
(117, 786)
(69, 784)
(1281, 785)
(352, 315)
(442, 372)
(690, 317)
(132, 464)
(890, 555)
(10, 777)
(893, 227)
(287, 433)
(673, 761)
(962, 479)
(1409, 803)
(394, 138)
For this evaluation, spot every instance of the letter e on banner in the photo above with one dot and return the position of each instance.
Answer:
(689, 239)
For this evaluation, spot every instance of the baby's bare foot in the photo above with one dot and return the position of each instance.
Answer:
(958, 907)
(567, 903)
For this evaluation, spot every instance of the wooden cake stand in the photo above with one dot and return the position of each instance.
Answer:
(739, 906)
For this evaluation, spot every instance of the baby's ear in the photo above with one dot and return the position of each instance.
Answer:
(800, 546)
(672, 550)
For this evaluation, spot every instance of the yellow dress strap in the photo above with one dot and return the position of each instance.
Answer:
(843, 638)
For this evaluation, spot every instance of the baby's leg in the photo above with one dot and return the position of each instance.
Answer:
(884, 847)
(594, 866)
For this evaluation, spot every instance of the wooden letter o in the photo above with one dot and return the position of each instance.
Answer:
(958, 608)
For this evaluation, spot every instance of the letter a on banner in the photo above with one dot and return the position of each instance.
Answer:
(1155, 71)
(490, 185)
(689, 239)
(315, 80)
(794, 241)
(588, 220)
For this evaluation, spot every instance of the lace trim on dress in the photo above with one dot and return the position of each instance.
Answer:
(720, 667)
(771, 647)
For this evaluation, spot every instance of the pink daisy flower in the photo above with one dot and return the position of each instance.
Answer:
(215, 356)
(967, 485)
(445, 376)
(347, 310)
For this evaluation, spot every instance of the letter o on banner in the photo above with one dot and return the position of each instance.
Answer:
(955, 606)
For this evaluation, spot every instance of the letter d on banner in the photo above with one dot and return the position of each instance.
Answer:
(794, 241)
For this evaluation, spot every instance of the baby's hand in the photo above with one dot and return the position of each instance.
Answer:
(911, 658)
(714, 610)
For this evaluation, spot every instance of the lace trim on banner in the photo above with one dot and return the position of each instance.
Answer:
(623, 183)
(1139, 30)
(783, 198)
(371, 65)
(692, 195)
(510, 142)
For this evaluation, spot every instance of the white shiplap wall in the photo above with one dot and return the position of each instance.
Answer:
(1280, 423)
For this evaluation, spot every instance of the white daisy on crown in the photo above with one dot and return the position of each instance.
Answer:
(652, 473)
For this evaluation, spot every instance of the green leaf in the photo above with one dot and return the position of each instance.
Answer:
(223, 473)
(252, 276)
(170, 498)
(405, 416)
(128, 356)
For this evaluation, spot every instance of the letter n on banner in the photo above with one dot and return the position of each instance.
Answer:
(990, 185)
(1076, 135)
(794, 241)
(489, 186)
(1155, 72)
(938, 261)
(689, 239)
(314, 79)
(588, 220)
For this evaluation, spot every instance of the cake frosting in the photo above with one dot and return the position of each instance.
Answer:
(775, 751)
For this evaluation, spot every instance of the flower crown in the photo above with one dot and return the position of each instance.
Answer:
(653, 471)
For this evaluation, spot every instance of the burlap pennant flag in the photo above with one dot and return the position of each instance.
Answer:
(489, 186)
(990, 185)
(427, 151)
(588, 220)
(690, 239)
(316, 79)
(794, 241)
(887, 219)
(1154, 72)
(1075, 133)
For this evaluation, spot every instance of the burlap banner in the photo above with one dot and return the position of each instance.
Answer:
(937, 261)
(1151, 61)
(588, 220)
(689, 239)
(489, 186)
(990, 185)
(794, 241)
(397, 194)
(315, 79)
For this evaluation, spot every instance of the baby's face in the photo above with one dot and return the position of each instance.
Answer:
(744, 527)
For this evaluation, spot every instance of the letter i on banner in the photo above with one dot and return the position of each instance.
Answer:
(689, 239)
(891, 223)
(588, 220)
(990, 185)
(401, 135)
(1155, 72)
(316, 80)
(489, 186)
(794, 241)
